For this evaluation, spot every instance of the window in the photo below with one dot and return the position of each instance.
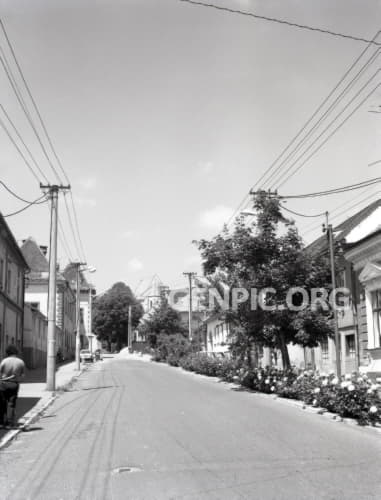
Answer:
(9, 278)
(376, 313)
(324, 350)
(1, 273)
(350, 346)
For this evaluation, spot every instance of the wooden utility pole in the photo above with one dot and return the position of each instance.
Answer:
(333, 279)
(129, 344)
(190, 279)
(52, 287)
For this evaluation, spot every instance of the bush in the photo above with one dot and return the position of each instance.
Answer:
(171, 348)
(354, 396)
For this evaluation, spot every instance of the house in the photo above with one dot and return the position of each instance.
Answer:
(180, 303)
(36, 293)
(86, 293)
(217, 341)
(13, 268)
(357, 241)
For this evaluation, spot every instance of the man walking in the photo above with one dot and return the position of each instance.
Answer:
(12, 369)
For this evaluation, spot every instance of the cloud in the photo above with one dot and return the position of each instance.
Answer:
(88, 183)
(126, 235)
(216, 217)
(85, 202)
(205, 168)
(135, 265)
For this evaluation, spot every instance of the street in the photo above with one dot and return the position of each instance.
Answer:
(139, 430)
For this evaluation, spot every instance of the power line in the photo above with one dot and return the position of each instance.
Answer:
(44, 128)
(280, 21)
(304, 127)
(343, 212)
(23, 142)
(35, 202)
(14, 194)
(24, 107)
(344, 189)
(41, 120)
(301, 215)
(325, 115)
(328, 137)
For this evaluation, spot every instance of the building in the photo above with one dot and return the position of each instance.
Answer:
(87, 291)
(13, 267)
(217, 335)
(357, 240)
(36, 293)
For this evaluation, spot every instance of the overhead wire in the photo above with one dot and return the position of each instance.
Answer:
(280, 21)
(321, 120)
(298, 168)
(76, 232)
(304, 127)
(30, 204)
(299, 214)
(339, 190)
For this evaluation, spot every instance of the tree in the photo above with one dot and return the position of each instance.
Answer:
(163, 320)
(110, 314)
(268, 253)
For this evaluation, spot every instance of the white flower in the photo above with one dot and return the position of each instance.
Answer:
(335, 381)
(325, 382)
(373, 409)
(272, 388)
(369, 391)
(360, 379)
(314, 402)
(267, 381)
(351, 387)
(284, 379)
(317, 390)
(343, 385)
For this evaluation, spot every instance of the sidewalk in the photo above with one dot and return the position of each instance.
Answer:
(33, 394)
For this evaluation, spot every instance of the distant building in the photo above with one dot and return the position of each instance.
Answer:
(87, 290)
(13, 267)
(36, 293)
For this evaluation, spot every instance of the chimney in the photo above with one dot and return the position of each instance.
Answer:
(44, 249)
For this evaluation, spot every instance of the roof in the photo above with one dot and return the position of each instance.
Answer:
(344, 228)
(70, 274)
(4, 228)
(34, 257)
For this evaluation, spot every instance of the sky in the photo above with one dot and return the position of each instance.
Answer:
(164, 115)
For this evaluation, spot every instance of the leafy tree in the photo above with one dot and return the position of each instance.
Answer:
(268, 253)
(163, 320)
(110, 314)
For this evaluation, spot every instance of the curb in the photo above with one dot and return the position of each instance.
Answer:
(288, 401)
(34, 413)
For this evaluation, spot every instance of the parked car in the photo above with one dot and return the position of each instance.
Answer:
(86, 356)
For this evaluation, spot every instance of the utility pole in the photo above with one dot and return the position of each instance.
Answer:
(52, 287)
(129, 344)
(333, 279)
(78, 313)
(190, 278)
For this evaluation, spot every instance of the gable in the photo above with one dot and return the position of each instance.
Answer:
(371, 271)
(369, 225)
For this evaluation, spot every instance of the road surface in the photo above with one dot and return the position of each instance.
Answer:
(137, 430)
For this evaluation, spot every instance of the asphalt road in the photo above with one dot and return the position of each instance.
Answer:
(136, 430)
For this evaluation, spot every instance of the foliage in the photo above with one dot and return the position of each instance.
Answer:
(110, 314)
(268, 253)
(171, 348)
(163, 320)
(354, 396)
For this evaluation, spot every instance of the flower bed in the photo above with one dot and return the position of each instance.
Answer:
(354, 396)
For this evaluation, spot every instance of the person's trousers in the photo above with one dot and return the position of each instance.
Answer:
(8, 392)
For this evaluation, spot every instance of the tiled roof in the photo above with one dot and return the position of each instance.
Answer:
(343, 229)
(34, 257)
